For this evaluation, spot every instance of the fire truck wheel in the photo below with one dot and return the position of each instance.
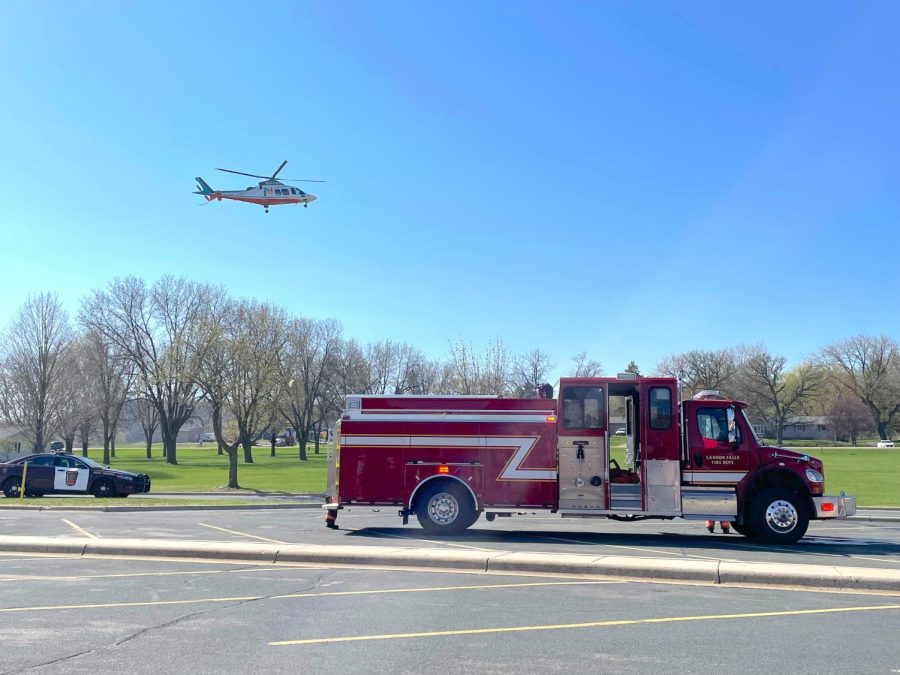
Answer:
(778, 516)
(445, 508)
(742, 529)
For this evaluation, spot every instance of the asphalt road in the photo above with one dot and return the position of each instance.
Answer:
(79, 615)
(845, 543)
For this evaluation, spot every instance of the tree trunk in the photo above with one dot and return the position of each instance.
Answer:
(150, 448)
(221, 450)
(70, 444)
(169, 440)
(84, 445)
(318, 435)
(302, 441)
(232, 468)
(882, 429)
(112, 445)
(105, 443)
(272, 444)
(248, 450)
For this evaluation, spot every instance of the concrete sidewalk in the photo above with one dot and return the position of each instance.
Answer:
(709, 571)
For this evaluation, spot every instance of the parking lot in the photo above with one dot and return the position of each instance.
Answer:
(73, 615)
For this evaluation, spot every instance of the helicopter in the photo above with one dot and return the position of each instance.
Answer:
(269, 192)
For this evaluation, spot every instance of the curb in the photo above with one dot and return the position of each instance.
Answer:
(656, 569)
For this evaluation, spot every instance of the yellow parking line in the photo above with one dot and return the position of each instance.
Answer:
(570, 626)
(81, 530)
(244, 534)
(286, 596)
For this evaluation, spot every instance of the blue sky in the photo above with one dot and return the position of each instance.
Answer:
(629, 179)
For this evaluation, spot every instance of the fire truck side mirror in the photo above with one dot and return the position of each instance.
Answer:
(732, 429)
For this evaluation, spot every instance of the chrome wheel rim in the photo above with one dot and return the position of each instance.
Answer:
(443, 508)
(781, 516)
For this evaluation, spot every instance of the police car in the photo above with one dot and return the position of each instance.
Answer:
(67, 474)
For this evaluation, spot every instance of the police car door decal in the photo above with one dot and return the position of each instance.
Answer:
(68, 479)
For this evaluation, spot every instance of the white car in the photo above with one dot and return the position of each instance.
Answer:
(885, 444)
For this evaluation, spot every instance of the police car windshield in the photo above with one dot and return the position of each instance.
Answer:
(92, 463)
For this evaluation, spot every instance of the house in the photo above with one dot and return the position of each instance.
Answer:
(799, 427)
(13, 443)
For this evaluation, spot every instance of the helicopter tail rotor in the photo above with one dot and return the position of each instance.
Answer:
(205, 190)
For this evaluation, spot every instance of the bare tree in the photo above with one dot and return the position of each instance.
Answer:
(869, 368)
(850, 419)
(77, 408)
(585, 367)
(702, 369)
(775, 392)
(531, 370)
(240, 373)
(160, 330)
(312, 352)
(112, 374)
(497, 371)
(465, 368)
(149, 418)
(31, 390)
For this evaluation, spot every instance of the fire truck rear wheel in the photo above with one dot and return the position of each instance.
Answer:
(742, 529)
(445, 508)
(778, 516)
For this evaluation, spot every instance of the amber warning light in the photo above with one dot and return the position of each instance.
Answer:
(551, 418)
(443, 469)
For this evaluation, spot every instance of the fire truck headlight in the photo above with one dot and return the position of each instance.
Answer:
(814, 476)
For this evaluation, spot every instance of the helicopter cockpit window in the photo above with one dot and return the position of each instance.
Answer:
(293, 191)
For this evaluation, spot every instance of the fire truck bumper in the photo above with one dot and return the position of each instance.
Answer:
(835, 507)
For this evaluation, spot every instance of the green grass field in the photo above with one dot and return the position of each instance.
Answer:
(202, 470)
(871, 474)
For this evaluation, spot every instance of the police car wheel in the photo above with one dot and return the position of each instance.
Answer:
(105, 488)
(445, 508)
(11, 487)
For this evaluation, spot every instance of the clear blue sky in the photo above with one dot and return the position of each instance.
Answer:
(630, 179)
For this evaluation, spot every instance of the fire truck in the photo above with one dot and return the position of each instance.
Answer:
(450, 459)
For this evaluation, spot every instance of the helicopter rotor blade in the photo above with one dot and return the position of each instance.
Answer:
(278, 170)
(241, 173)
(301, 180)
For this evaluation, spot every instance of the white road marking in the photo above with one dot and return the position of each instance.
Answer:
(244, 534)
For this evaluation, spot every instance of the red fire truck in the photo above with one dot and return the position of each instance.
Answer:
(448, 459)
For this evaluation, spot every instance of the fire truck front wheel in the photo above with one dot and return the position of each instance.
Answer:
(445, 508)
(778, 516)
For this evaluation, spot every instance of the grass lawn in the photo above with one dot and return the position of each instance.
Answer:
(202, 470)
(871, 474)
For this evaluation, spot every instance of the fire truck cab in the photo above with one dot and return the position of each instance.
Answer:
(449, 459)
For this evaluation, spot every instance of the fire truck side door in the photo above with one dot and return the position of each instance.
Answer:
(581, 448)
(719, 450)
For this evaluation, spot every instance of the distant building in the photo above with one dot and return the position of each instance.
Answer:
(799, 428)
(13, 443)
